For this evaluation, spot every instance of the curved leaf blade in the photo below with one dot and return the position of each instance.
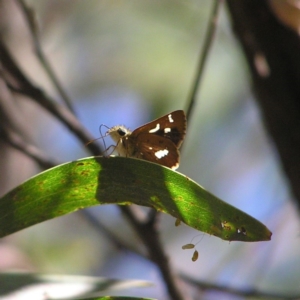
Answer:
(118, 180)
(29, 285)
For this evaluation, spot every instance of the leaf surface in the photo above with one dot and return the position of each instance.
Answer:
(124, 181)
(32, 285)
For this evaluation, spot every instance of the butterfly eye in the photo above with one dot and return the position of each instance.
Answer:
(121, 132)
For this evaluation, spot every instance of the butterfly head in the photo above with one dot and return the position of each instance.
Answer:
(118, 132)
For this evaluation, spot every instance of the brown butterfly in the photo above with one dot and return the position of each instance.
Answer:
(157, 141)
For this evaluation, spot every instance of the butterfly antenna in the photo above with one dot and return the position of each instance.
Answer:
(101, 136)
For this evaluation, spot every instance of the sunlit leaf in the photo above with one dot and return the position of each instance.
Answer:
(31, 286)
(118, 180)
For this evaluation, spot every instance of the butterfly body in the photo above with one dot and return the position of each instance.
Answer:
(157, 141)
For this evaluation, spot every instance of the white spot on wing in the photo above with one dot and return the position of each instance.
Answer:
(161, 153)
(155, 129)
(170, 118)
(166, 130)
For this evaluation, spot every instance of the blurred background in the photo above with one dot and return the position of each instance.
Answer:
(128, 62)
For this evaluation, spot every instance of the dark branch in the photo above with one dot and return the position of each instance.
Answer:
(33, 28)
(273, 55)
(16, 141)
(19, 83)
(210, 34)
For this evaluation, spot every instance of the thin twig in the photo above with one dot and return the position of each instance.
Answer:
(203, 56)
(33, 28)
(152, 217)
(150, 236)
(16, 141)
(99, 227)
(22, 85)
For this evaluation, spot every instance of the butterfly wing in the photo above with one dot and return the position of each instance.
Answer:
(171, 126)
(156, 149)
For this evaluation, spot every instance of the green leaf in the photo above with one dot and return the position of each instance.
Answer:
(55, 285)
(119, 180)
